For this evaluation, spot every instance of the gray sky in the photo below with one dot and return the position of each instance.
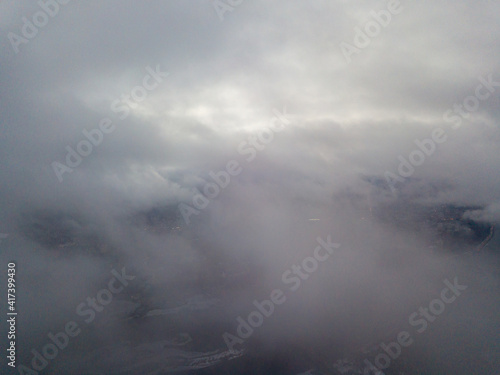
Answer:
(225, 79)
(349, 119)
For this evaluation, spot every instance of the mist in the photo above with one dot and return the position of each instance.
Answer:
(253, 188)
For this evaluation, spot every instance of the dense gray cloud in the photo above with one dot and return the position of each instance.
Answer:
(347, 126)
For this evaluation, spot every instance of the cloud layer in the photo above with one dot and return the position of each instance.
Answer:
(156, 142)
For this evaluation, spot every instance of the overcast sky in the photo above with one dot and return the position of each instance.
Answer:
(226, 77)
(351, 112)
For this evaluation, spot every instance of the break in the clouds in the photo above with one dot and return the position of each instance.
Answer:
(144, 135)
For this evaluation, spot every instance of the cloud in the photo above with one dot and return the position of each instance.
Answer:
(348, 125)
